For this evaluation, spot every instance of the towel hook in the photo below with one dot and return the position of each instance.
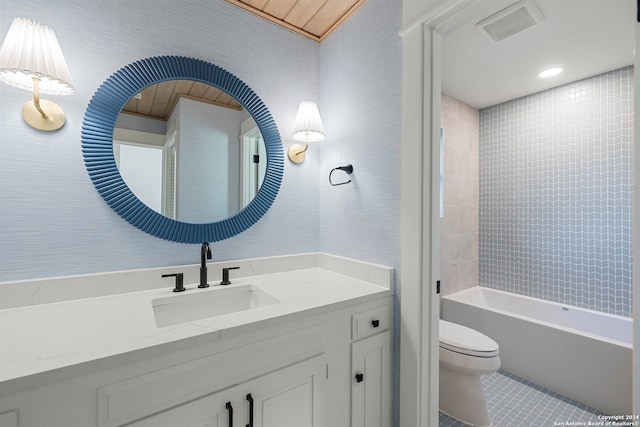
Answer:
(348, 169)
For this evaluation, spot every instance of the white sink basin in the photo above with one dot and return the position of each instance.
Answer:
(188, 307)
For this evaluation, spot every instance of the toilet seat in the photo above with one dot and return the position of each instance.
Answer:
(467, 341)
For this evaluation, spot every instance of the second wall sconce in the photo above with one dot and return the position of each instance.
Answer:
(308, 128)
(31, 59)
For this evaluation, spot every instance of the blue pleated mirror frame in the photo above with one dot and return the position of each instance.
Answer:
(97, 147)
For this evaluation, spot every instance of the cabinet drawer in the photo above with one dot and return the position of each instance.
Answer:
(370, 322)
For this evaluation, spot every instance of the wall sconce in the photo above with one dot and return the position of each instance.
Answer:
(31, 59)
(308, 128)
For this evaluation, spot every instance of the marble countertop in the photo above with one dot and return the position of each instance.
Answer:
(58, 336)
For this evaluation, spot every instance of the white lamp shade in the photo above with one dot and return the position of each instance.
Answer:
(308, 125)
(32, 50)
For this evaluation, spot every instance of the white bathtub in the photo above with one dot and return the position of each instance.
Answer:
(582, 354)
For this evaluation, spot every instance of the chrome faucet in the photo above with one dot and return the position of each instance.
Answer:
(205, 254)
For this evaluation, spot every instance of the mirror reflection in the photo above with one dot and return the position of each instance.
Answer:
(189, 151)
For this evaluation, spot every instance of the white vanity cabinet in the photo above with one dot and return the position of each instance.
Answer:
(289, 397)
(300, 373)
(371, 368)
(319, 389)
(283, 369)
(103, 361)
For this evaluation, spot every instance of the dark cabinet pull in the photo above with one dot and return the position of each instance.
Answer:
(230, 409)
(359, 378)
(375, 323)
(250, 400)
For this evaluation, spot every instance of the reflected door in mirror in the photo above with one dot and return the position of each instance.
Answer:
(253, 158)
(212, 164)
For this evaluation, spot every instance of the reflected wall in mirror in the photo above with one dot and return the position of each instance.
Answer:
(215, 155)
(189, 151)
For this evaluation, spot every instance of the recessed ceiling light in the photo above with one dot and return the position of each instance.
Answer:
(550, 72)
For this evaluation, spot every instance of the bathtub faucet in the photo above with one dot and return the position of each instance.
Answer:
(205, 254)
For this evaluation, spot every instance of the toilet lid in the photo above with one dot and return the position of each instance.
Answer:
(465, 340)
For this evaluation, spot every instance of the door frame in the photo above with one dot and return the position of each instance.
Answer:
(420, 218)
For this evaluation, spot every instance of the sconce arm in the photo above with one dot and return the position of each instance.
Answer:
(306, 147)
(36, 97)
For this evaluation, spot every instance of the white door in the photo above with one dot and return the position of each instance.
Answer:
(253, 161)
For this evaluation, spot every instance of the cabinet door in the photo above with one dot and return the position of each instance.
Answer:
(371, 382)
(289, 397)
(207, 411)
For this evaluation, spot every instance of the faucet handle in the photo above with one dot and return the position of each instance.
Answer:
(225, 275)
(179, 281)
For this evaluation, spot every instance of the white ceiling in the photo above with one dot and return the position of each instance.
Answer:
(585, 37)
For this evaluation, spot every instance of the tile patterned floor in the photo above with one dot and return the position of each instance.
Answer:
(514, 402)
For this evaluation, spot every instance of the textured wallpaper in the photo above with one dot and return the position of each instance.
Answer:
(556, 196)
(54, 223)
(361, 75)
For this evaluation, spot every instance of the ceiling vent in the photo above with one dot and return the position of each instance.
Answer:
(510, 21)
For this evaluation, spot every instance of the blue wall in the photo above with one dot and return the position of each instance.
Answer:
(556, 194)
(361, 78)
(54, 223)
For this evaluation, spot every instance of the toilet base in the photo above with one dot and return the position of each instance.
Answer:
(462, 397)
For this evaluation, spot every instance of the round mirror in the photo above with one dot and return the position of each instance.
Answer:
(209, 142)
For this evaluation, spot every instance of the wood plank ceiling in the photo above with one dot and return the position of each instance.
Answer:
(315, 19)
(158, 101)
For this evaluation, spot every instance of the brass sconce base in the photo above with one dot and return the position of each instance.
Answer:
(53, 119)
(297, 153)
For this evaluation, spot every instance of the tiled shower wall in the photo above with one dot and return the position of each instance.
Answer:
(459, 224)
(556, 170)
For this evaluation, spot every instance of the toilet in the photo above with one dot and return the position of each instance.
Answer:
(465, 355)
